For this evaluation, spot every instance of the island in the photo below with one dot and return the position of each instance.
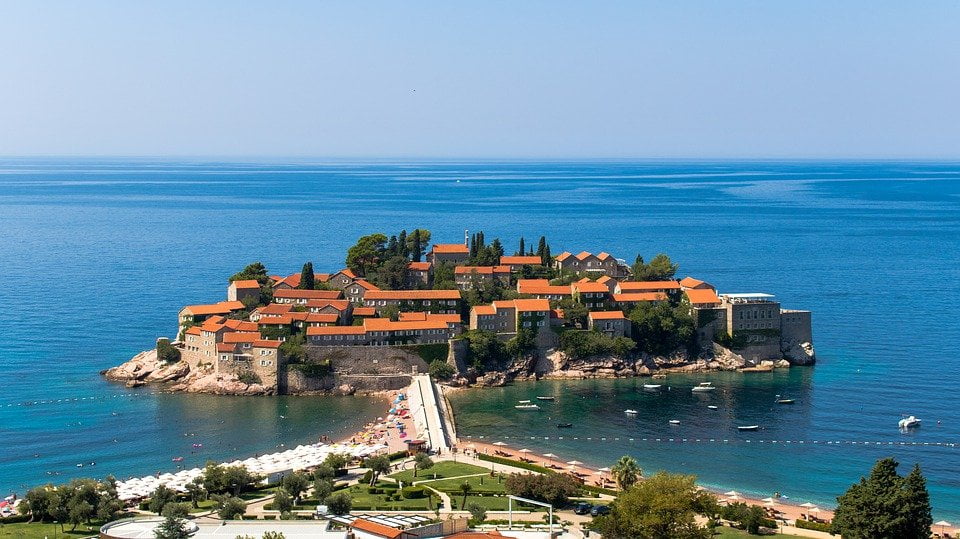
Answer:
(468, 314)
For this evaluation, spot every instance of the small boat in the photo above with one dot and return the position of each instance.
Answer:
(659, 376)
(546, 398)
(527, 407)
(177, 459)
(524, 402)
(652, 387)
(909, 422)
(704, 386)
(674, 421)
(785, 401)
(712, 407)
(628, 411)
(564, 425)
(749, 427)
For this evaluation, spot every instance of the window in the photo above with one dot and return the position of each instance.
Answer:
(264, 363)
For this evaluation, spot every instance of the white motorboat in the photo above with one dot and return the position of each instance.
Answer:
(527, 407)
(704, 386)
(524, 402)
(674, 421)
(909, 422)
(652, 387)
(712, 407)
(628, 411)
(749, 427)
(546, 398)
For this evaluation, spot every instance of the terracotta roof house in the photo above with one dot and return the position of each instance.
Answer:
(455, 253)
(199, 313)
(586, 262)
(440, 301)
(628, 301)
(518, 261)
(666, 287)
(419, 274)
(505, 318)
(300, 297)
(690, 283)
(245, 290)
(610, 323)
(542, 289)
(467, 276)
(702, 297)
(357, 290)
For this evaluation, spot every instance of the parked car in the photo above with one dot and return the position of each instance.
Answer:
(582, 508)
(599, 510)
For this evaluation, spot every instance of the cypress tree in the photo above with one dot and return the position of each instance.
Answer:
(392, 246)
(522, 250)
(547, 259)
(473, 246)
(402, 248)
(306, 277)
(417, 250)
(497, 249)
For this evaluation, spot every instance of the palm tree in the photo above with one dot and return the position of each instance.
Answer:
(465, 488)
(626, 472)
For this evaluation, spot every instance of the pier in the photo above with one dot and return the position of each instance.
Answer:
(430, 414)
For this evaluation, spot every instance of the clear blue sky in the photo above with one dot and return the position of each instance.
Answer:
(485, 79)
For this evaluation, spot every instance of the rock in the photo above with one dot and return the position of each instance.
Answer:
(346, 389)
(799, 353)
(781, 364)
(135, 383)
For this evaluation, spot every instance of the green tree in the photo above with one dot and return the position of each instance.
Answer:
(626, 472)
(293, 348)
(521, 251)
(238, 479)
(295, 483)
(416, 246)
(661, 268)
(523, 343)
(336, 461)
(176, 510)
(884, 505)
(172, 528)
(161, 497)
(392, 275)
(229, 507)
(166, 352)
(365, 256)
(322, 488)
(307, 279)
(664, 506)
(282, 501)
(379, 464)
(477, 512)
(324, 471)
(421, 461)
(465, 488)
(443, 276)
(338, 503)
(441, 370)
(486, 350)
(574, 311)
(255, 271)
(79, 511)
(272, 535)
(196, 491)
(661, 329)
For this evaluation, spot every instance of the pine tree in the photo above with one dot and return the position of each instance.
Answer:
(885, 505)
(917, 504)
(306, 277)
(522, 250)
(402, 249)
(547, 259)
(473, 246)
(392, 246)
(417, 251)
(497, 249)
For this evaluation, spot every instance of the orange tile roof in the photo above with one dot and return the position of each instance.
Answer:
(348, 272)
(336, 330)
(292, 280)
(216, 319)
(338, 304)
(410, 317)
(605, 279)
(604, 256)
(590, 287)
(241, 336)
(475, 535)
(640, 286)
(222, 307)
(419, 266)
(412, 294)
(690, 282)
(481, 270)
(525, 305)
(451, 248)
(246, 283)
(322, 318)
(521, 260)
(640, 296)
(240, 325)
(563, 256)
(366, 284)
(296, 293)
(606, 315)
(263, 343)
(485, 309)
(193, 330)
(702, 296)
(583, 255)
(376, 529)
(276, 308)
(283, 320)
(542, 287)
(225, 347)
(364, 311)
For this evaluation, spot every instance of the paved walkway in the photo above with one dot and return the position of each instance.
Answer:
(426, 413)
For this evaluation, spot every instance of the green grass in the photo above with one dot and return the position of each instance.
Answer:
(479, 483)
(39, 530)
(492, 503)
(725, 532)
(441, 470)
(362, 498)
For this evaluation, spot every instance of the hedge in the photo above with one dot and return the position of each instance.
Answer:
(397, 455)
(15, 519)
(599, 490)
(807, 525)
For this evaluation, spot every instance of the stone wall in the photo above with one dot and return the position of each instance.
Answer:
(368, 360)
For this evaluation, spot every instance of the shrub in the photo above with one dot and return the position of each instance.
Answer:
(516, 464)
(807, 525)
(166, 352)
(248, 377)
(396, 456)
(412, 492)
(441, 370)
(339, 503)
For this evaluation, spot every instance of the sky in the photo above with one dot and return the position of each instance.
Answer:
(528, 79)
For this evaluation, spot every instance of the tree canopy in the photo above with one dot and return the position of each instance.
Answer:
(885, 505)
(661, 328)
(255, 271)
(626, 472)
(307, 278)
(664, 506)
(661, 268)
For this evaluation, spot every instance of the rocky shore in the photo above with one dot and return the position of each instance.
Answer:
(144, 368)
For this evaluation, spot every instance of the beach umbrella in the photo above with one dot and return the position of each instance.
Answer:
(550, 455)
(525, 450)
(574, 462)
(499, 444)
(768, 500)
(734, 497)
(808, 505)
(943, 524)
(604, 469)
(731, 493)
(598, 472)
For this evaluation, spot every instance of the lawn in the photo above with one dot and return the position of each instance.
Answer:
(439, 470)
(725, 532)
(40, 530)
(481, 483)
(492, 503)
(363, 500)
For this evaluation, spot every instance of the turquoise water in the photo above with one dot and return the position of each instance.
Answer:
(98, 255)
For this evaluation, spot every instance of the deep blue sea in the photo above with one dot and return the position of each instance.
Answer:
(98, 255)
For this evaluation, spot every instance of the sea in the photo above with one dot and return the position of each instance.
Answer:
(98, 254)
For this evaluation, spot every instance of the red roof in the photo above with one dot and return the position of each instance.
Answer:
(377, 529)
(690, 282)
(702, 296)
(385, 324)
(366, 284)
(419, 266)
(412, 294)
(481, 270)
(283, 320)
(520, 260)
(222, 307)
(646, 286)
(276, 309)
(541, 287)
(241, 336)
(240, 325)
(606, 315)
(225, 347)
(193, 330)
(451, 248)
(247, 283)
(296, 293)
(485, 309)
(524, 305)
(338, 304)
(336, 330)
(364, 311)
(590, 287)
(263, 343)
